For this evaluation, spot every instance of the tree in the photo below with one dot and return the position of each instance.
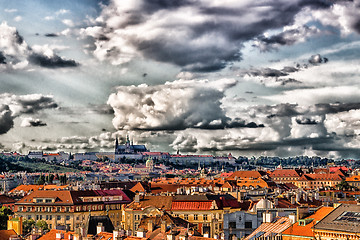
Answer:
(42, 225)
(5, 212)
(41, 180)
(343, 185)
(28, 225)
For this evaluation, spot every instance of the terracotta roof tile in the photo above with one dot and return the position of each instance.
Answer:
(306, 231)
(51, 235)
(191, 205)
(6, 234)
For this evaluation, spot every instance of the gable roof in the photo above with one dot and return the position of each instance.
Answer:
(6, 234)
(270, 229)
(297, 229)
(345, 218)
(51, 235)
(246, 174)
(161, 202)
(285, 173)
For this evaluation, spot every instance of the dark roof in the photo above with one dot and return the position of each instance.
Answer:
(94, 222)
(6, 200)
(344, 218)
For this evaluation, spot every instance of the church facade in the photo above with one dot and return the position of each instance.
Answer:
(129, 150)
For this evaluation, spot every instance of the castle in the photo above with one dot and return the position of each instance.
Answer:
(129, 147)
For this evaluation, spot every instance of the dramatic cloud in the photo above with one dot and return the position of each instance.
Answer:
(195, 35)
(174, 106)
(31, 122)
(316, 59)
(51, 35)
(6, 119)
(287, 37)
(13, 106)
(15, 53)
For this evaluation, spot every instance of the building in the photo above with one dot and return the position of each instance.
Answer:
(302, 229)
(129, 148)
(70, 209)
(318, 180)
(205, 212)
(271, 229)
(354, 181)
(286, 175)
(342, 223)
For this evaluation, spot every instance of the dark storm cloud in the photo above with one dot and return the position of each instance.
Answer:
(13, 106)
(317, 59)
(324, 108)
(51, 35)
(2, 58)
(266, 72)
(288, 37)
(17, 53)
(31, 122)
(102, 109)
(288, 81)
(195, 35)
(6, 119)
(291, 110)
(34, 103)
(51, 62)
(306, 120)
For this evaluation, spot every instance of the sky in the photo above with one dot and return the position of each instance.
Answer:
(251, 78)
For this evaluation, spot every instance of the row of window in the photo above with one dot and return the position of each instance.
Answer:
(43, 209)
(67, 209)
(49, 217)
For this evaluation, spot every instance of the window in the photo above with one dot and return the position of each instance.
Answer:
(28, 209)
(48, 201)
(248, 224)
(232, 224)
(195, 217)
(50, 217)
(20, 209)
(205, 217)
(58, 209)
(67, 218)
(67, 209)
(28, 217)
(58, 218)
(186, 217)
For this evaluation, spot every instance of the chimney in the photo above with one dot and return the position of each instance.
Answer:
(100, 228)
(171, 235)
(163, 226)
(116, 234)
(141, 233)
(150, 226)
(298, 196)
(83, 232)
(305, 196)
(137, 198)
(59, 235)
(76, 236)
(292, 200)
(292, 218)
(316, 195)
(267, 217)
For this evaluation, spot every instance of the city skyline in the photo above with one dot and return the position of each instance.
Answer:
(272, 78)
